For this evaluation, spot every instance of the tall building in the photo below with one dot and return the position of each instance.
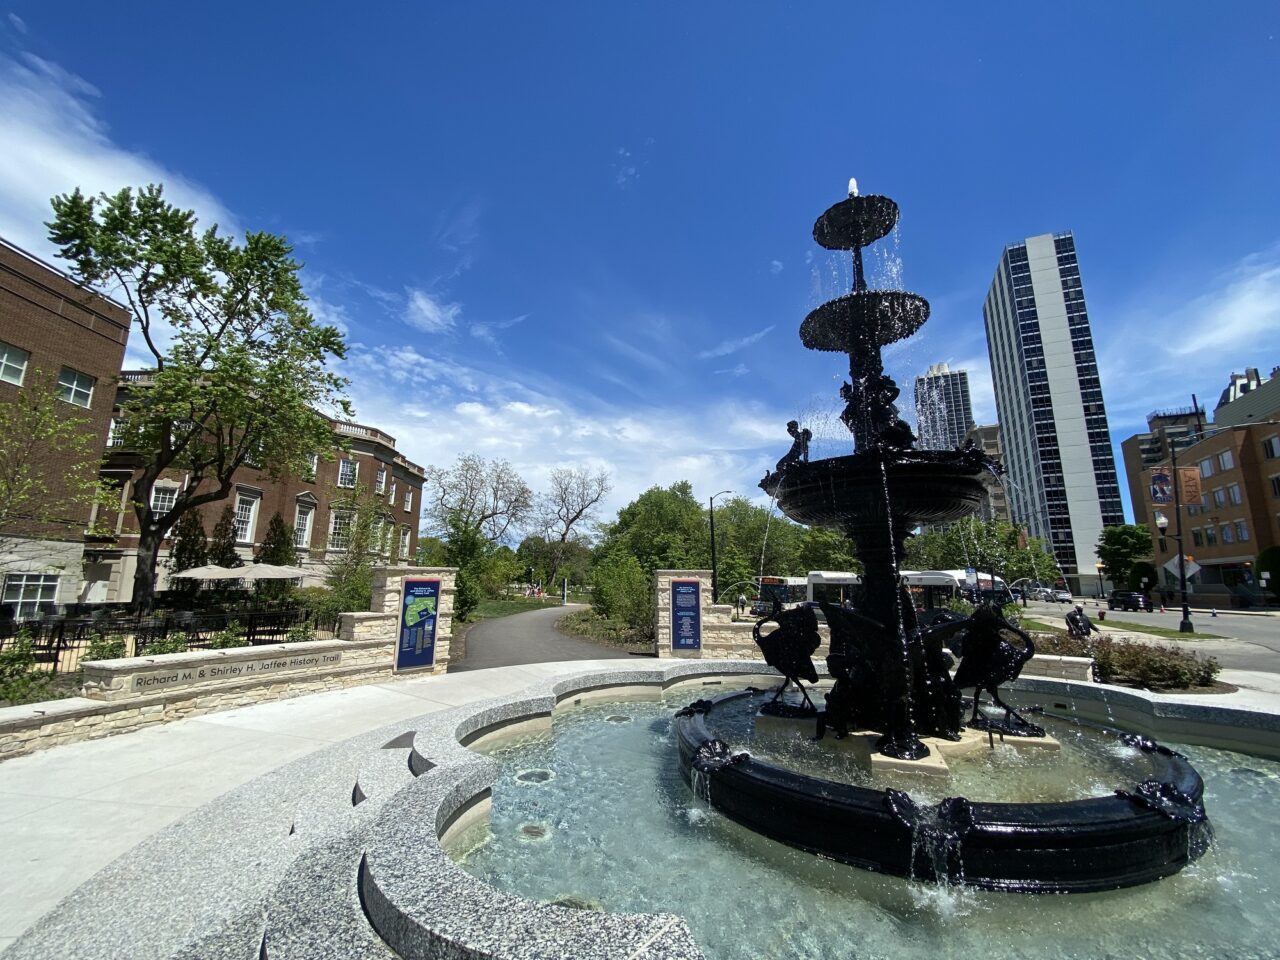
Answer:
(943, 409)
(1053, 424)
(1143, 451)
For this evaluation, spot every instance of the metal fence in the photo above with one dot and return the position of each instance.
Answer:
(59, 643)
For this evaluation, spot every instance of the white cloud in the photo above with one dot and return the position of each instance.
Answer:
(429, 314)
(485, 331)
(726, 347)
(54, 141)
(775, 267)
(647, 360)
(18, 23)
(740, 370)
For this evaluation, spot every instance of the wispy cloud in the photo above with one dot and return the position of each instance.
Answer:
(642, 357)
(726, 347)
(18, 23)
(428, 313)
(740, 370)
(485, 330)
(775, 267)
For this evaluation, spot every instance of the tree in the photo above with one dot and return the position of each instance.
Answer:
(467, 549)
(222, 542)
(985, 545)
(190, 549)
(1269, 562)
(489, 496)
(36, 426)
(621, 590)
(359, 534)
(568, 505)
(661, 528)
(1142, 570)
(431, 552)
(240, 367)
(277, 545)
(1120, 547)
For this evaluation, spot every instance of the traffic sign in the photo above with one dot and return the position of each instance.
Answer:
(1192, 567)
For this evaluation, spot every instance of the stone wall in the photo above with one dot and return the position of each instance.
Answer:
(388, 583)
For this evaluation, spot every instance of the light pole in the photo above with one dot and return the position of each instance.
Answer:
(715, 596)
(1162, 523)
(1098, 566)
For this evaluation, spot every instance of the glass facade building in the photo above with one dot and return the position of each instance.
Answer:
(943, 409)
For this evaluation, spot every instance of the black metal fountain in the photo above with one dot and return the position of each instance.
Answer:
(893, 684)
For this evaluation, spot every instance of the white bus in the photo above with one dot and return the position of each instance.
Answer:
(930, 589)
(788, 592)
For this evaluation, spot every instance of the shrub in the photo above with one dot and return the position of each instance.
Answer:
(299, 633)
(162, 645)
(102, 647)
(21, 681)
(621, 591)
(230, 636)
(1138, 664)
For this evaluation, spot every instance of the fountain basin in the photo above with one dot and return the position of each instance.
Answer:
(867, 318)
(848, 492)
(855, 222)
(1076, 846)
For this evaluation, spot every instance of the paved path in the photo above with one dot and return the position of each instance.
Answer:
(528, 638)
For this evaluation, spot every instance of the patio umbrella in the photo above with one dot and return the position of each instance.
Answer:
(210, 571)
(269, 571)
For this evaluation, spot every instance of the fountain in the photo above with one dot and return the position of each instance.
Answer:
(894, 695)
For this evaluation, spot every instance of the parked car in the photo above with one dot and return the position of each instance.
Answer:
(1128, 600)
(1062, 596)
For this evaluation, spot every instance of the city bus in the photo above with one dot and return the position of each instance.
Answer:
(929, 589)
(788, 592)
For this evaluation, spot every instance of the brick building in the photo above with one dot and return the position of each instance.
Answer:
(1143, 451)
(52, 327)
(315, 505)
(995, 505)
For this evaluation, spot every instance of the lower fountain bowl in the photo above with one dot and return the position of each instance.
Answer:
(1077, 846)
(924, 486)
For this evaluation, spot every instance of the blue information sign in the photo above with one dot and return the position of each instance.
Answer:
(686, 615)
(419, 608)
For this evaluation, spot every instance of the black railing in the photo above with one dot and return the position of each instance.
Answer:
(58, 644)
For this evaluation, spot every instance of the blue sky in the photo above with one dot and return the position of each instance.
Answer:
(579, 234)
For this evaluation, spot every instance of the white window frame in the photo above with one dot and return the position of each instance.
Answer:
(340, 531)
(1206, 468)
(313, 464)
(73, 386)
(1233, 494)
(1242, 531)
(304, 517)
(167, 488)
(251, 521)
(1226, 460)
(27, 591)
(391, 497)
(408, 500)
(355, 473)
(9, 362)
(405, 534)
(380, 484)
(1219, 498)
(1271, 447)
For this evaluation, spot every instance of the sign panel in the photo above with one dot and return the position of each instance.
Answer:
(1192, 567)
(419, 610)
(1161, 486)
(686, 615)
(1189, 480)
(971, 576)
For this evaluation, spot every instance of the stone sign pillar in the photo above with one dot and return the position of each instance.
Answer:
(388, 586)
(683, 605)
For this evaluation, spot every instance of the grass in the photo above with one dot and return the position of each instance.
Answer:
(1172, 634)
(489, 608)
(589, 625)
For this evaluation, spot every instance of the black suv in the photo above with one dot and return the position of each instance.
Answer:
(1126, 600)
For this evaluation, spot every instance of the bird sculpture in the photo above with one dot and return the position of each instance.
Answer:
(789, 648)
(990, 660)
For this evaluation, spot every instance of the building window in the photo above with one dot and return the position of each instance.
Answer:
(313, 465)
(1242, 531)
(246, 515)
(302, 525)
(391, 497)
(1271, 448)
(162, 499)
(340, 529)
(13, 364)
(1219, 498)
(27, 591)
(1197, 537)
(408, 501)
(348, 470)
(1228, 535)
(76, 387)
(1275, 486)
(1210, 537)
(380, 485)
(1233, 493)
(1206, 468)
(1225, 460)
(404, 543)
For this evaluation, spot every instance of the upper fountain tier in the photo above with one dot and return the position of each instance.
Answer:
(855, 222)
(863, 319)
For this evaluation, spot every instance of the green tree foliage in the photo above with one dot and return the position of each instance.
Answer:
(431, 552)
(487, 495)
(222, 542)
(1120, 547)
(985, 545)
(349, 572)
(35, 424)
(277, 545)
(622, 590)
(190, 545)
(1140, 570)
(468, 551)
(1269, 562)
(662, 528)
(240, 367)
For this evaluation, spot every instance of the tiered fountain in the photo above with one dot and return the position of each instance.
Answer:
(893, 688)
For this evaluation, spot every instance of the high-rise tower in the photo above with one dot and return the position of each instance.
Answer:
(943, 409)
(1053, 424)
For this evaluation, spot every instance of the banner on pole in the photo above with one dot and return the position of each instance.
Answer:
(1161, 486)
(1189, 478)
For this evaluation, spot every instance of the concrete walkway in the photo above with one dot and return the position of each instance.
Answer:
(528, 638)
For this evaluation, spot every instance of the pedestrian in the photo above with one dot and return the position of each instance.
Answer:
(742, 604)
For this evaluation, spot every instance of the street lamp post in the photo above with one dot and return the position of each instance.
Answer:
(1162, 522)
(715, 596)
(1098, 566)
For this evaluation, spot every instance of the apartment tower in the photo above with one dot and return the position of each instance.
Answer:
(943, 409)
(1053, 423)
